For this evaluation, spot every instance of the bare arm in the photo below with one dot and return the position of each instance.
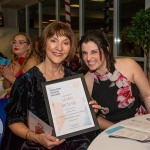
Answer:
(132, 70)
(142, 82)
(21, 130)
(103, 123)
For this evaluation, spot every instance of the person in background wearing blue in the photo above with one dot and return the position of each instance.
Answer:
(57, 44)
(3, 98)
(118, 85)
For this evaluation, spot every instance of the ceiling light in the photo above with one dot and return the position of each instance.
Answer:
(45, 22)
(110, 9)
(51, 20)
(98, 0)
(74, 5)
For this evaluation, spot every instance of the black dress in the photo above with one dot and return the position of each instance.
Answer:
(119, 98)
(27, 94)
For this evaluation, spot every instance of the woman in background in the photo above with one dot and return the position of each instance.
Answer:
(118, 85)
(22, 59)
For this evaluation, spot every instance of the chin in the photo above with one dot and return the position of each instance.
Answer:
(93, 69)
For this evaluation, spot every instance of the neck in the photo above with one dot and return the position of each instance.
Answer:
(102, 71)
(52, 72)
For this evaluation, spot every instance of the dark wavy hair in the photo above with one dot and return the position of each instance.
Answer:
(60, 29)
(100, 39)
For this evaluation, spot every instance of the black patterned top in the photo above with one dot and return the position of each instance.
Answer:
(120, 99)
(27, 94)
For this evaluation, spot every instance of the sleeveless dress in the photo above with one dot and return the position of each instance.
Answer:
(120, 99)
(26, 94)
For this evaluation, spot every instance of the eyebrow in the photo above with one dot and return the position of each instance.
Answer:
(66, 39)
(20, 40)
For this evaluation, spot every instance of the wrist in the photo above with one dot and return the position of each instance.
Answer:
(27, 135)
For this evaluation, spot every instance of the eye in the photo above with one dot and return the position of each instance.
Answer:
(13, 42)
(66, 43)
(52, 40)
(94, 51)
(83, 53)
(21, 42)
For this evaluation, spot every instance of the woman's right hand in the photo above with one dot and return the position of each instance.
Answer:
(47, 140)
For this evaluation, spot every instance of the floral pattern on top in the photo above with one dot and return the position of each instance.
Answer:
(117, 96)
(124, 92)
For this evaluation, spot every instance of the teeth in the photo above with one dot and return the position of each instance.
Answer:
(58, 54)
(91, 63)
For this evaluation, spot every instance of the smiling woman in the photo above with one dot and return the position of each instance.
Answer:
(58, 43)
(118, 85)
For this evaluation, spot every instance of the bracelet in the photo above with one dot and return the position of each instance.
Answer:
(27, 134)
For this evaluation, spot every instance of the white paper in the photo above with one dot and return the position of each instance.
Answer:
(69, 107)
(133, 129)
(37, 125)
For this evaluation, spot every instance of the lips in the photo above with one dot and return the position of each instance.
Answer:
(57, 53)
(16, 49)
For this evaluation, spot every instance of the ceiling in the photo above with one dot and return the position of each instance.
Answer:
(16, 3)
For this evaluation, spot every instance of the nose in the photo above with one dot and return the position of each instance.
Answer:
(59, 46)
(88, 56)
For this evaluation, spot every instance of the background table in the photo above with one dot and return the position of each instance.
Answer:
(104, 142)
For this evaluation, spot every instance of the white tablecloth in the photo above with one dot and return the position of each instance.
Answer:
(104, 142)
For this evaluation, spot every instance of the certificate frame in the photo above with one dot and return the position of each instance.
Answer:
(67, 103)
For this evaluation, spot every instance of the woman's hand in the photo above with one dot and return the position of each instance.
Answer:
(95, 105)
(6, 72)
(48, 141)
(1, 69)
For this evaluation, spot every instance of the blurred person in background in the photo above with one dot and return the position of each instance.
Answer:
(22, 59)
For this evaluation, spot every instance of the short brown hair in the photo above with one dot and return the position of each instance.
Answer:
(58, 28)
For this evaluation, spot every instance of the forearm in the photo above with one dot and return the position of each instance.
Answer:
(8, 82)
(103, 123)
(147, 103)
(21, 130)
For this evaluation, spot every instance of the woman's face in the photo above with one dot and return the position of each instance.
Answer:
(57, 48)
(20, 46)
(91, 56)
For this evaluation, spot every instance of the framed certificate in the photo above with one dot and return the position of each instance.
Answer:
(67, 103)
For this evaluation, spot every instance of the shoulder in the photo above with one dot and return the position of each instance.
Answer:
(33, 60)
(129, 68)
(127, 63)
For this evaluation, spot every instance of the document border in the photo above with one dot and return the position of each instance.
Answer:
(51, 122)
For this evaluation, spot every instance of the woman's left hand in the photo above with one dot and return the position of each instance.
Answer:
(95, 105)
